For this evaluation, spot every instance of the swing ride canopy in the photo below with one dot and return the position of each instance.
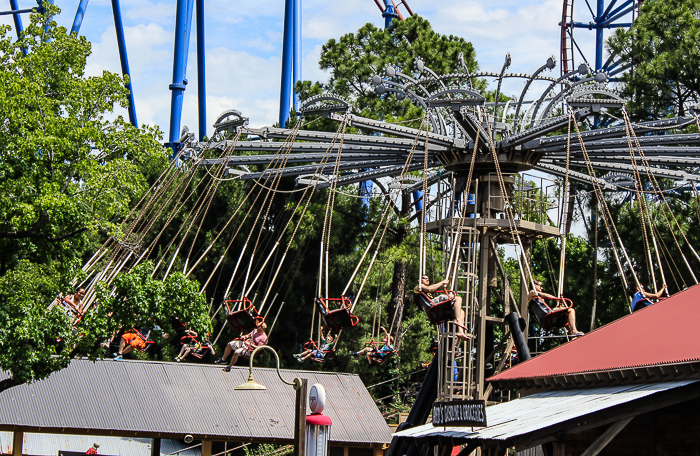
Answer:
(652, 344)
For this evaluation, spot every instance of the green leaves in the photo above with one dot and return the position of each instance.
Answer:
(354, 58)
(66, 171)
(69, 171)
(661, 48)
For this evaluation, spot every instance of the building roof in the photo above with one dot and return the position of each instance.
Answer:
(651, 343)
(51, 444)
(171, 400)
(535, 419)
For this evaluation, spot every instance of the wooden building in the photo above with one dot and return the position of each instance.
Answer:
(630, 387)
(159, 400)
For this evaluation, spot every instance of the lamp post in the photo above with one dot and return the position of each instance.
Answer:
(299, 385)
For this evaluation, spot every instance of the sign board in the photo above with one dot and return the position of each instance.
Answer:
(317, 398)
(459, 413)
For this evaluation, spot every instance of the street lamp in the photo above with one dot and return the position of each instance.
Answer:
(299, 385)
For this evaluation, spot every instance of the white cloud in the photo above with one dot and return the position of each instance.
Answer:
(244, 41)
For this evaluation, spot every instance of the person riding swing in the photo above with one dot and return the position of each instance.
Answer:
(243, 346)
(642, 298)
(375, 354)
(559, 317)
(430, 301)
(317, 353)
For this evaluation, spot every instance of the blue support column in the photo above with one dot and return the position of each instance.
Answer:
(17, 18)
(78, 21)
(287, 62)
(18, 23)
(297, 49)
(201, 72)
(183, 22)
(599, 24)
(124, 58)
(389, 13)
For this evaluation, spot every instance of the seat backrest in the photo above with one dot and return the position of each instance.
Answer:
(338, 319)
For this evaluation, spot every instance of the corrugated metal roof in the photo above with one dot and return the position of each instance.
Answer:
(649, 337)
(520, 417)
(49, 445)
(177, 398)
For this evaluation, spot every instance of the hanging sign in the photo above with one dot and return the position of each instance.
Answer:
(459, 413)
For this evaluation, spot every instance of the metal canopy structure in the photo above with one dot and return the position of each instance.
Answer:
(494, 143)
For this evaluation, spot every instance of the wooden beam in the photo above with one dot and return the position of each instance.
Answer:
(206, 447)
(155, 447)
(17, 440)
(605, 438)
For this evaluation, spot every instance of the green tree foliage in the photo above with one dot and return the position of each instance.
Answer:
(138, 300)
(66, 169)
(354, 58)
(661, 47)
(69, 171)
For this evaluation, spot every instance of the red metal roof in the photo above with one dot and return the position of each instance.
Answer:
(656, 335)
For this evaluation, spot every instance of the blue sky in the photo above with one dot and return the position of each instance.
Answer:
(244, 42)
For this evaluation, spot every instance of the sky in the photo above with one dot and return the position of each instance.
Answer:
(244, 43)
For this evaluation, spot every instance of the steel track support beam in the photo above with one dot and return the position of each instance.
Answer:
(18, 22)
(124, 59)
(297, 51)
(79, 14)
(201, 72)
(286, 89)
(183, 26)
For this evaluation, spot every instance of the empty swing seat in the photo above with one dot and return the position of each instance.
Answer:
(550, 319)
(437, 312)
(245, 319)
(340, 318)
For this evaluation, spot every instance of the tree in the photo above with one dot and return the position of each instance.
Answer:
(355, 57)
(69, 171)
(661, 47)
(66, 170)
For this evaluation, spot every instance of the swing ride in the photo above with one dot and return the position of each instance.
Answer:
(470, 157)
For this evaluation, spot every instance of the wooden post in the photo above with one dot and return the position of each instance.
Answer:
(155, 447)
(525, 287)
(206, 447)
(300, 419)
(483, 312)
(17, 440)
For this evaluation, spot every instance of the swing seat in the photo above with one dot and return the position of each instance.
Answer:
(378, 355)
(245, 319)
(550, 319)
(337, 319)
(439, 312)
(145, 336)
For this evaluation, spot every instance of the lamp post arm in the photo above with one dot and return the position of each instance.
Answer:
(296, 383)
